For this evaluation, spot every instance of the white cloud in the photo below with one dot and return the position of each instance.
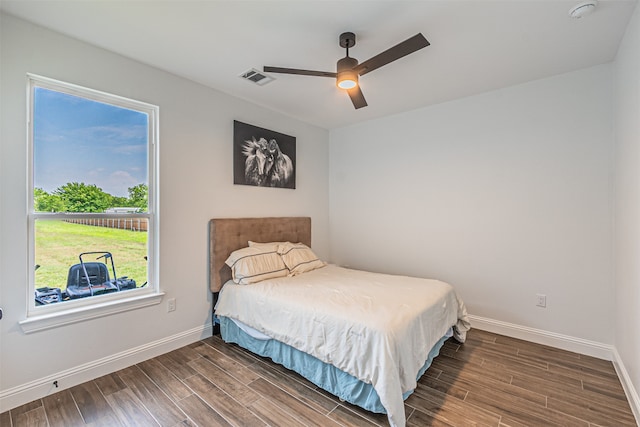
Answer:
(118, 183)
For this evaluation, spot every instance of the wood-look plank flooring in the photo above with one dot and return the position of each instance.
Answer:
(491, 380)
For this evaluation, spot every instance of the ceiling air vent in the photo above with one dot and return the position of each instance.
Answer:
(256, 76)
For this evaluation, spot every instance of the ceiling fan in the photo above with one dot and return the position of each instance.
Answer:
(348, 68)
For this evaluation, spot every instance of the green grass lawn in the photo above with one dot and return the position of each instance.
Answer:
(59, 243)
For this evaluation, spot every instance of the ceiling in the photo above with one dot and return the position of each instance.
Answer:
(476, 46)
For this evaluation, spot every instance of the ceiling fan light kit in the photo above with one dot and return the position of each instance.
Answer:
(347, 78)
(348, 69)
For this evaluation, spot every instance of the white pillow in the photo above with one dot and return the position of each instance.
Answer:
(299, 258)
(253, 264)
(267, 245)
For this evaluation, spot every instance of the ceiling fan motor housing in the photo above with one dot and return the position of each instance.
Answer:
(346, 64)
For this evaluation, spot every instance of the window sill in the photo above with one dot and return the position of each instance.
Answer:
(79, 314)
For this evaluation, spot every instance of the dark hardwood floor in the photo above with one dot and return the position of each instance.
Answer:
(491, 380)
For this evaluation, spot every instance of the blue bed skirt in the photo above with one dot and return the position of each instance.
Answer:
(323, 375)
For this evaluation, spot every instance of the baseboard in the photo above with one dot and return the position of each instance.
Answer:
(19, 395)
(565, 342)
(627, 385)
(538, 336)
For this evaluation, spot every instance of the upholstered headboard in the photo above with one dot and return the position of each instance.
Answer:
(229, 234)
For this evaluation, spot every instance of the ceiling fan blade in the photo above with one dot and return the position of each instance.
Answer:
(408, 46)
(281, 70)
(357, 97)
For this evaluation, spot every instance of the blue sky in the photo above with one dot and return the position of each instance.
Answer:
(80, 140)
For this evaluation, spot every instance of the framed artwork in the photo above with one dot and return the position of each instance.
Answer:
(262, 157)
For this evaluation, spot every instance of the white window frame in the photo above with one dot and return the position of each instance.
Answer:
(69, 312)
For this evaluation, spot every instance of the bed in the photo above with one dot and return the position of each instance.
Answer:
(364, 337)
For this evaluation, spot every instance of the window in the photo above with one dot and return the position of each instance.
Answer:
(92, 212)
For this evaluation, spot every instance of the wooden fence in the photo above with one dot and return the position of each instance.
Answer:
(133, 224)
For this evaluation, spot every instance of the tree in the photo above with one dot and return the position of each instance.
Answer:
(80, 197)
(118, 201)
(45, 202)
(138, 196)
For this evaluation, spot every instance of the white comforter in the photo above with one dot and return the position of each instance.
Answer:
(378, 328)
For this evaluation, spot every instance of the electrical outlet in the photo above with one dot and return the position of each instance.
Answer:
(171, 304)
(541, 300)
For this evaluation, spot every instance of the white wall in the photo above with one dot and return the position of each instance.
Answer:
(627, 201)
(196, 181)
(505, 195)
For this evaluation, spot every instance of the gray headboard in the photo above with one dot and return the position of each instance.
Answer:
(229, 234)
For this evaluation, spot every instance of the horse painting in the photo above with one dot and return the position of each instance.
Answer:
(263, 157)
(265, 164)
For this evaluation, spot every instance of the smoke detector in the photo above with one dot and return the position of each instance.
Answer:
(583, 9)
(256, 77)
